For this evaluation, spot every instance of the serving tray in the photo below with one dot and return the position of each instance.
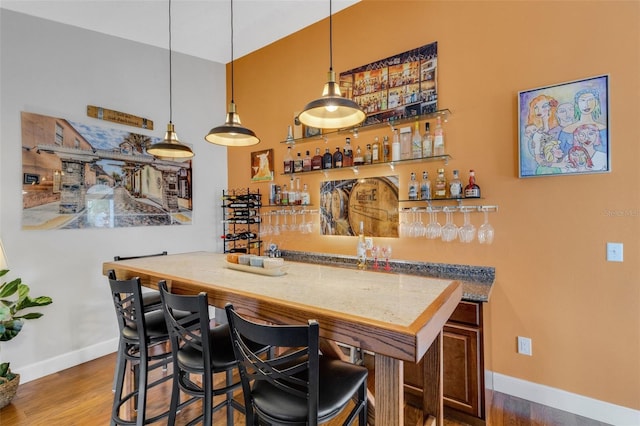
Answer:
(273, 272)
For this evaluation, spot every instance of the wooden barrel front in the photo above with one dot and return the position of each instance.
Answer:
(374, 201)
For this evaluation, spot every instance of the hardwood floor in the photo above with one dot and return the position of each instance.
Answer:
(82, 396)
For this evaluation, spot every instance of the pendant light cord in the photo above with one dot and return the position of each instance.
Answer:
(330, 37)
(170, 73)
(232, 52)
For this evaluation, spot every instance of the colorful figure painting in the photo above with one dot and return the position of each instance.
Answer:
(78, 176)
(564, 129)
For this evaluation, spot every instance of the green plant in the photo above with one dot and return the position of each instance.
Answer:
(14, 297)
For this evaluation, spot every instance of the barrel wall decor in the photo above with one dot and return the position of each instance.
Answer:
(346, 203)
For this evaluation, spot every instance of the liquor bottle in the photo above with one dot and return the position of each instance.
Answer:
(284, 196)
(368, 155)
(327, 159)
(306, 162)
(316, 160)
(416, 142)
(441, 185)
(425, 187)
(395, 146)
(358, 159)
(361, 249)
(427, 141)
(472, 190)
(438, 138)
(455, 186)
(386, 150)
(337, 158)
(288, 161)
(413, 187)
(375, 151)
(347, 154)
(297, 164)
(405, 143)
(305, 198)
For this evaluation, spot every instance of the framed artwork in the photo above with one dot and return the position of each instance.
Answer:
(262, 165)
(372, 201)
(78, 175)
(563, 129)
(400, 86)
(309, 132)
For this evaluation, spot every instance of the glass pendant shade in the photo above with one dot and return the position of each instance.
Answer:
(171, 147)
(332, 110)
(232, 132)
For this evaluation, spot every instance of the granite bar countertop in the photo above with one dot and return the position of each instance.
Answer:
(476, 280)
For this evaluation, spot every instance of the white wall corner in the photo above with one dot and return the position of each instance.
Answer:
(563, 400)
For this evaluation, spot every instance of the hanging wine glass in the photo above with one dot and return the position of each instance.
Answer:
(449, 230)
(486, 231)
(467, 232)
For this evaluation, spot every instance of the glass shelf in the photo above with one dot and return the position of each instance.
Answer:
(461, 204)
(444, 113)
(390, 164)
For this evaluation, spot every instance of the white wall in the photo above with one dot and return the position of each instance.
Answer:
(58, 70)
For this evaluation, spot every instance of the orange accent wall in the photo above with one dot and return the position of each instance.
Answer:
(553, 283)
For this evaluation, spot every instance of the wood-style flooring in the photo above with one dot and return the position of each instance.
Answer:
(82, 396)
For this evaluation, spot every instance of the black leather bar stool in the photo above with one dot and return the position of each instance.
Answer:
(202, 350)
(299, 386)
(142, 344)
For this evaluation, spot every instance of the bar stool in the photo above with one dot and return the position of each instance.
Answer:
(141, 333)
(202, 350)
(297, 387)
(150, 298)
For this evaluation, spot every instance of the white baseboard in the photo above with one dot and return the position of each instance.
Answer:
(68, 360)
(563, 400)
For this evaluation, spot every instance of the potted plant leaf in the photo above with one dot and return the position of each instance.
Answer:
(14, 298)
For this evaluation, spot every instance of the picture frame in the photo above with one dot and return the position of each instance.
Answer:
(310, 132)
(563, 129)
(262, 165)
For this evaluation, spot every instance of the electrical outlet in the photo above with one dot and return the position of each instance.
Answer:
(368, 242)
(524, 346)
(614, 252)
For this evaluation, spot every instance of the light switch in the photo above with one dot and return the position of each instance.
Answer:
(614, 252)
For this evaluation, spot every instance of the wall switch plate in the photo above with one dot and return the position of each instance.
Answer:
(524, 346)
(368, 242)
(614, 252)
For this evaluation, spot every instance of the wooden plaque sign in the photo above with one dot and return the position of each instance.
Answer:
(119, 117)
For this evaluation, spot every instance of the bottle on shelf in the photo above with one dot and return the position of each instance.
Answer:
(316, 160)
(438, 138)
(395, 146)
(306, 162)
(290, 135)
(427, 141)
(347, 154)
(288, 161)
(297, 164)
(375, 150)
(361, 249)
(455, 186)
(337, 158)
(305, 198)
(327, 159)
(441, 185)
(284, 195)
(472, 190)
(413, 187)
(368, 155)
(358, 159)
(416, 142)
(386, 150)
(425, 187)
(405, 143)
(293, 195)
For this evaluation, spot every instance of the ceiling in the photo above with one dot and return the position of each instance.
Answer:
(200, 28)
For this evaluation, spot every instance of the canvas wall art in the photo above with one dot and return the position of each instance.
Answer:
(77, 175)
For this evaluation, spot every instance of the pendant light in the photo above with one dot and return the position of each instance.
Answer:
(232, 132)
(170, 148)
(332, 110)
